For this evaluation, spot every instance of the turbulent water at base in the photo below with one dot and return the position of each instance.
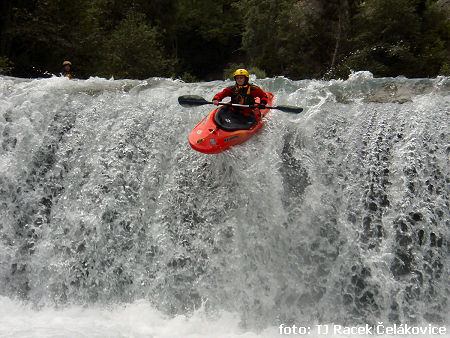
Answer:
(111, 225)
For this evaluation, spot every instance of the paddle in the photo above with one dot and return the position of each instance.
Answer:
(195, 101)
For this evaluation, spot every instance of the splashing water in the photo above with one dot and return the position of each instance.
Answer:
(337, 215)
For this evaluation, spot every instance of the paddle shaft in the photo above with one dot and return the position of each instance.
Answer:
(194, 100)
(256, 106)
(235, 105)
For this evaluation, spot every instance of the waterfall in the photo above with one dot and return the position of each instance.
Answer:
(336, 215)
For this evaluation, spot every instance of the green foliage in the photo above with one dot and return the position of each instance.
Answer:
(259, 73)
(197, 39)
(188, 77)
(297, 38)
(407, 37)
(207, 36)
(5, 66)
(445, 69)
(261, 36)
(133, 50)
(310, 32)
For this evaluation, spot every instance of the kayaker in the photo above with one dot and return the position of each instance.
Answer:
(243, 92)
(67, 69)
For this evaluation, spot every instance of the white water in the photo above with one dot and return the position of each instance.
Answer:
(138, 319)
(112, 226)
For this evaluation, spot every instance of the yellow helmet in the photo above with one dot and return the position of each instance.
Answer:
(67, 63)
(241, 72)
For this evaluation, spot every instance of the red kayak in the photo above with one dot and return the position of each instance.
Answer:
(222, 129)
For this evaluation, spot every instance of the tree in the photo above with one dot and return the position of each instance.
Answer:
(261, 38)
(133, 50)
(199, 38)
(313, 35)
(407, 37)
(6, 66)
(208, 36)
(297, 38)
(434, 41)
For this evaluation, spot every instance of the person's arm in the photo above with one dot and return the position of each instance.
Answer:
(258, 92)
(223, 94)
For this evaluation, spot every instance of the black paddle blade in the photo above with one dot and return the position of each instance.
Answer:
(290, 109)
(191, 101)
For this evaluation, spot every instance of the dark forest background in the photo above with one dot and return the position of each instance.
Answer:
(204, 39)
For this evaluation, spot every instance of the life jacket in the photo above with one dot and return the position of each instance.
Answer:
(68, 74)
(242, 94)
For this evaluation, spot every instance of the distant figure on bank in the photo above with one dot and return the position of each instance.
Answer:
(67, 69)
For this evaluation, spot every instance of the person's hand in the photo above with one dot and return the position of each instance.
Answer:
(216, 102)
